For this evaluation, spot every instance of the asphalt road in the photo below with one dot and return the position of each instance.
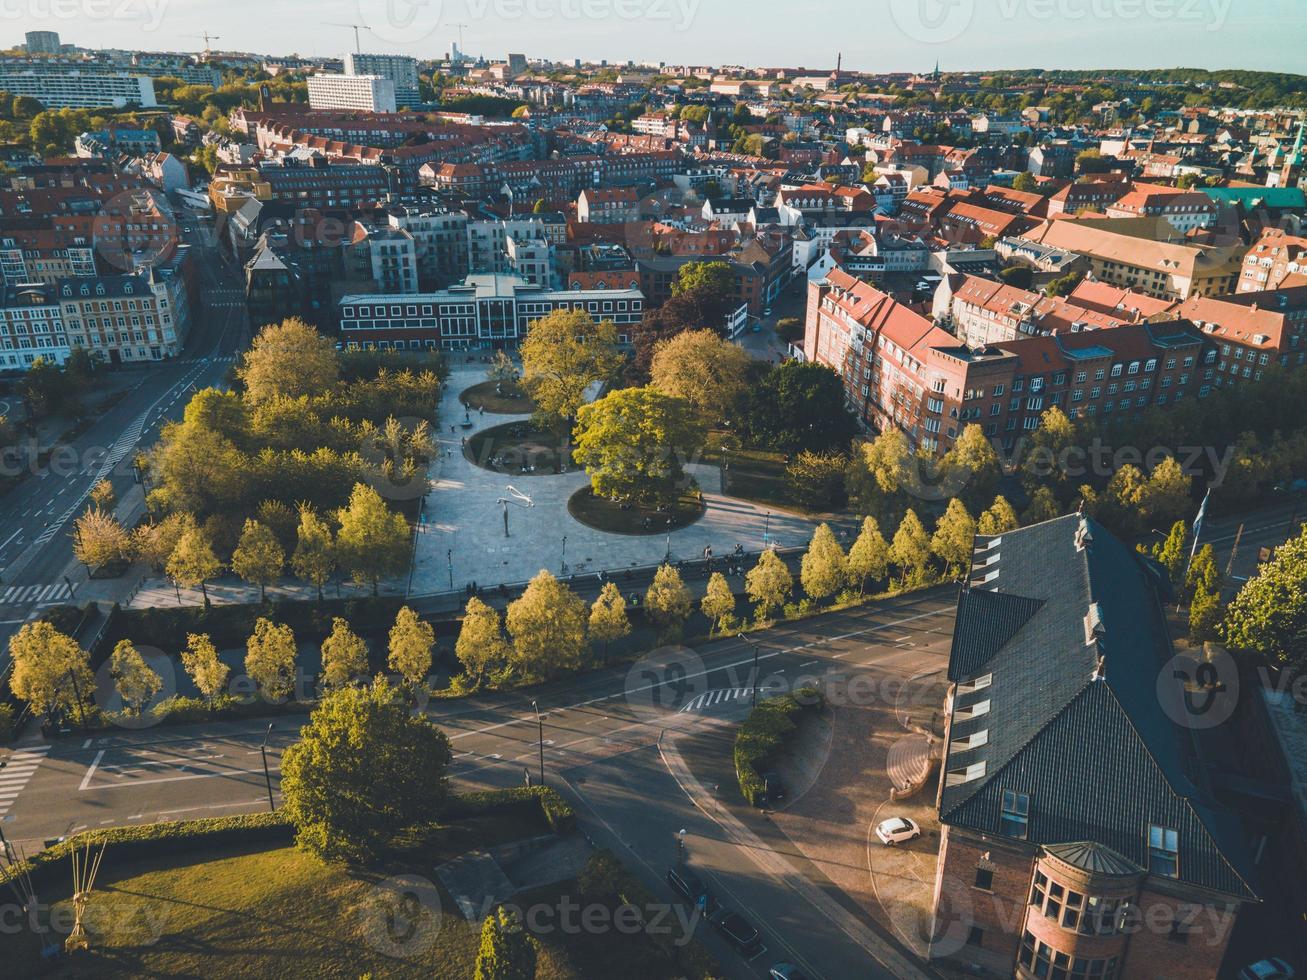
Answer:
(37, 567)
(600, 734)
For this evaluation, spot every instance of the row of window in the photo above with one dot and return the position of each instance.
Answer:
(1046, 963)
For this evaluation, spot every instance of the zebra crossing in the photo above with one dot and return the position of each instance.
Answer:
(26, 595)
(720, 696)
(19, 769)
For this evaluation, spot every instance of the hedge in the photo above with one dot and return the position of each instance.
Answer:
(764, 733)
(557, 812)
(152, 839)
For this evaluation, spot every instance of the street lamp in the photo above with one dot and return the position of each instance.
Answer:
(562, 558)
(680, 845)
(766, 528)
(540, 740)
(267, 776)
(77, 693)
(449, 560)
(753, 682)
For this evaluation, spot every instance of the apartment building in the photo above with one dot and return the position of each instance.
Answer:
(615, 205)
(981, 312)
(1271, 260)
(31, 327)
(1080, 834)
(318, 182)
(1122, 252)
(64, 248)
(401, 70)
(485, 311)
(58, 86)
(901, 369)
(367, 93)
(1252, 331)
(129, 318)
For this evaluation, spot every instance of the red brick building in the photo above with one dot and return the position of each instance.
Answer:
(1079, 838)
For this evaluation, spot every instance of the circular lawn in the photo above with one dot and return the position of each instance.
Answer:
(498, 398)
(632, 517)
(519, 449)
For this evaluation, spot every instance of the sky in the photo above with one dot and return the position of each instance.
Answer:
(873, 35)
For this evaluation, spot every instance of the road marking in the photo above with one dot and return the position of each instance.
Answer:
(707, 670)
(90, 771)
(23, 764)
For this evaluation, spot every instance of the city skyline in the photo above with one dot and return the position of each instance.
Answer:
(899, 35)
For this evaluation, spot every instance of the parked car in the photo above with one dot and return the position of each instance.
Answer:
(786, 971)
(737, 931)
(1271, 968)
(897, 829)
(691, 887)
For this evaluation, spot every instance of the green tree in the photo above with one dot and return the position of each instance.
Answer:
(910, 549)
(1203, 571)
(153, 543)
(288, 359)
(869, 556)
(798, 405)
(98, 539)
(816, 480)
(50, 670)
(411, 640)
(192, 561)
(972, 465)
(878, 475)
(1166, 496)
(206, 670)
(372, 542)
(718, 602)
(135, 681)
(258, 557)
(102, 495)
(667, 603)
(344, 655)
(1269, 614)
(1044, 463)
(1025, 182)
(608, 620)
(480, 646)
(270, 658)
(563, 354)
(954, 538)
(507, 951)
(705, 279)
(824, 568)
(998, 519)
(632, 443)
(363, 770)
(702, 368)
(1204, 615)
(768, 584)
(1043, 507)
(547, 624)
(314, 558)
(1173, 552)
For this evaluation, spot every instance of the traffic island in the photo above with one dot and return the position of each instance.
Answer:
(498, 398)
(519, 449)
(634, 517)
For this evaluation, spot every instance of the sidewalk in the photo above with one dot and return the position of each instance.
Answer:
(764, 844)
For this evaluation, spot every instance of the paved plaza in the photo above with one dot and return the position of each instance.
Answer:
(463, 523)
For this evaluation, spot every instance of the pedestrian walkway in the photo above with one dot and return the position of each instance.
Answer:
(26, 595)
(19, 768)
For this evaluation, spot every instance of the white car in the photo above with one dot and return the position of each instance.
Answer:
(897, 829)
(1271, 968)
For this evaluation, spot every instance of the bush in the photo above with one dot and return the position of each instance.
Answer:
(763, 735)
(7, 716)
(556, 811)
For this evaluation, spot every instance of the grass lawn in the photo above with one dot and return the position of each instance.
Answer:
(509, 399)
(518, 448)
(606, 515)
(754, 475)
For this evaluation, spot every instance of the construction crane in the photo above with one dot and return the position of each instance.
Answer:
(207, 38)
(358, 48)
(460, 36)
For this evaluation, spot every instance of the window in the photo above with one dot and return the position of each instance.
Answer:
(1163, 851)
(1015, 819)
(976, 936)
(985, 879)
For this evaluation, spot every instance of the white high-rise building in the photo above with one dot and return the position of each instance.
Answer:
(400, 69)
(60, 86)
(368, 93)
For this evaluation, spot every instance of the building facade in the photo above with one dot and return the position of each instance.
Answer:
(400, 69)
(367, 93)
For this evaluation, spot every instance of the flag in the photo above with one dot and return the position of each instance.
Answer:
(1198, 521)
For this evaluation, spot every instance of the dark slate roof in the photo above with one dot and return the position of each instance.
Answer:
(1074, 719)
(1094, 858)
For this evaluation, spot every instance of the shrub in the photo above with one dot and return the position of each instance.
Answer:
(556, 811)
(763, 735)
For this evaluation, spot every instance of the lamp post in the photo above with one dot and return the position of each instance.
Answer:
(562, 559)
(77, 693)
(753, 680)
(449, 561)
(540, 739)
(267, 776)
(766, 528)
(680, 845)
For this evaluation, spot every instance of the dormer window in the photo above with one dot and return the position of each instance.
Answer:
(1014, 821)
(1163, 851)
(972, 711)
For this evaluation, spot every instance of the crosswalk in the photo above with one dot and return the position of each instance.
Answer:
(21, 766)
(26, 595)
(720, 696)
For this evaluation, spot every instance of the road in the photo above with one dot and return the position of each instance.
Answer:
(601, 733)
(37, 567)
